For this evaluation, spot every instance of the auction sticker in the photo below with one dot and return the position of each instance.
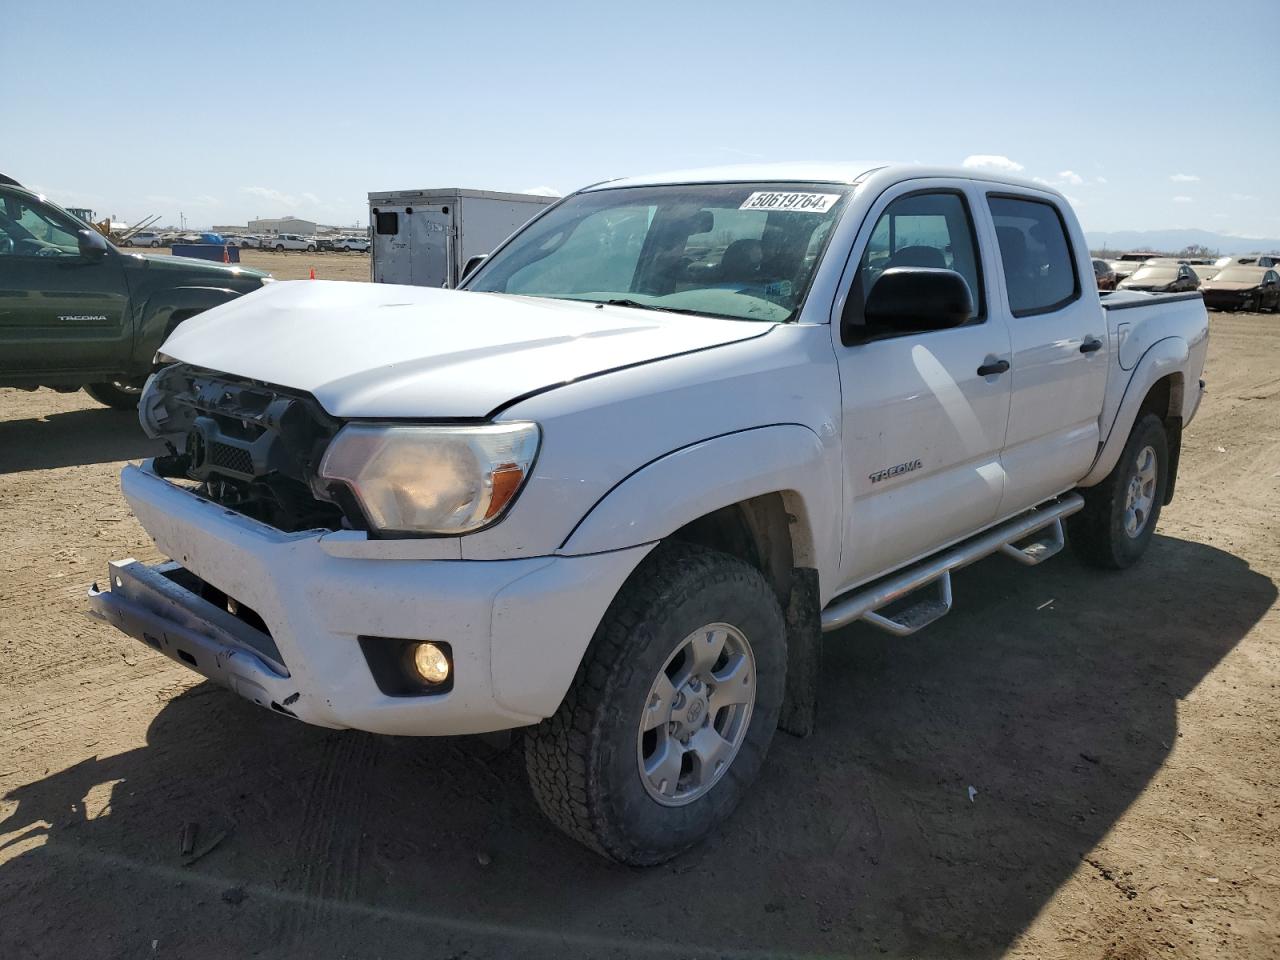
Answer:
(803, 202)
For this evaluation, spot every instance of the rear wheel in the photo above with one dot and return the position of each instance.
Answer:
(117, 394)
(279, 248)
(672, 711)
(1120, 513)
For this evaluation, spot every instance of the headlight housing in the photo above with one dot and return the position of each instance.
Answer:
(421, 480)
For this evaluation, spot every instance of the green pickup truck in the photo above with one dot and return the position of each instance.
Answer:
(76, 311)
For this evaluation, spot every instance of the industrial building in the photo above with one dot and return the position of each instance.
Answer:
(270, 227)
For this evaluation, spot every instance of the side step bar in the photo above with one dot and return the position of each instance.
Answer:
(863, 603)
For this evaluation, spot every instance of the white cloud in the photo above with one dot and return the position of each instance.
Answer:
(160, 198)
(1100, 179)
(1184, 178)
(1182, 199)
(1243, 197)
(543, 191)
(205, 200)
(1071, 177)
(992, 161)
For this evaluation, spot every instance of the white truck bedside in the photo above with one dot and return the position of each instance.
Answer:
(615, 489)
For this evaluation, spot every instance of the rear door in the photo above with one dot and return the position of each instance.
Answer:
(60, 313)
(1059, 355)
(922, 427)
(430, 246)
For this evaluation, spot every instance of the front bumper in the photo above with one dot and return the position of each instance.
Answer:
(517, 628)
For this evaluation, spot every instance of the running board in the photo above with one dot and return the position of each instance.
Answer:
(864, 602)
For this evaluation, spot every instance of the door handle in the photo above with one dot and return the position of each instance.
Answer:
(1090, 345)
(993, 367)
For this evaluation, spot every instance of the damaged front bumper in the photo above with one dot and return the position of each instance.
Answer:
(158, 606)
(307, 604)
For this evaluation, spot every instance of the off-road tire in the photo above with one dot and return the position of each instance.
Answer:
(115, 395)
(582, 761)
(1097, 533)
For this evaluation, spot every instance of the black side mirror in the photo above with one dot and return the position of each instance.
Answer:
(472, 263)
(905, 299)
(93, 246)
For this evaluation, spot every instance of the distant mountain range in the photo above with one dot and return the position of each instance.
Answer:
(1172, 241)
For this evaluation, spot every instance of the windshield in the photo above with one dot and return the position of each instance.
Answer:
(742, 251)
(1156, 273)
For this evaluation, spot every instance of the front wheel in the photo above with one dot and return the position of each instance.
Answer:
(117, 394)
(1120, 513)
(672, 710)
(279, 248)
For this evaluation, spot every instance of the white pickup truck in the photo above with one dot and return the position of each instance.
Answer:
(615, 489)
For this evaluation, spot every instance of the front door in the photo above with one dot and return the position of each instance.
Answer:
(923, 428)
(60, 313)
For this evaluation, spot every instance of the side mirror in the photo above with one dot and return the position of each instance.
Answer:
(472, 263)
(93, 246)
(905, 299)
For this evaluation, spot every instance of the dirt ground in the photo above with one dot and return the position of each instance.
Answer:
(1120, 732)
(297, 265)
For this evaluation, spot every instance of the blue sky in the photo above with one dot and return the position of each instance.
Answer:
(1147, 115)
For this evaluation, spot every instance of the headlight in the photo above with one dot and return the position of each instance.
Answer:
(442, 480)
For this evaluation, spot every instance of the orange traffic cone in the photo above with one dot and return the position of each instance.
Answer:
(226, 255)
(313, 273)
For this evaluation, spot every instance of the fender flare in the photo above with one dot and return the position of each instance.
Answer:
(1164, 357)
(670, 491)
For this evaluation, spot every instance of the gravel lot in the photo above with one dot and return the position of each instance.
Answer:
(1120, 731)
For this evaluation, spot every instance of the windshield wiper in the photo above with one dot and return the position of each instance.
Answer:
(622, 302)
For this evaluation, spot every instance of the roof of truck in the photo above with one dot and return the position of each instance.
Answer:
(815, 172)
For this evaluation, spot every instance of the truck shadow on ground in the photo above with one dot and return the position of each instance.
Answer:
(1054, 694)
(72, 438)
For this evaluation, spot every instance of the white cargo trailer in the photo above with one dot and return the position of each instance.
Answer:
(426, 237)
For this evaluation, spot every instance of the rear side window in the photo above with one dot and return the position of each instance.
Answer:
(925, 230)
(1039, 269)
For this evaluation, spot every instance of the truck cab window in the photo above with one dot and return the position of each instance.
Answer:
(1039, 269)
(26, 231)
(925, 230)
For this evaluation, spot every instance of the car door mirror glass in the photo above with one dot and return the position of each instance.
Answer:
(906, 299)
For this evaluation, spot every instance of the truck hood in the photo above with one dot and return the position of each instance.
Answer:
(379, 350)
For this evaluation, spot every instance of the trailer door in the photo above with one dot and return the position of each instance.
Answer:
(431, 246)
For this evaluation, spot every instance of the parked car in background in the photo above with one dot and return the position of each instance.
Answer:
(1104, 275)
(250, 241)
(144, 238)
(291, 241)
(1239, 287)
(1123, 269)
(78, 312)
(614, 488)
(1162, 278)
(352, 244)
(1205, 272)
(1266, 260)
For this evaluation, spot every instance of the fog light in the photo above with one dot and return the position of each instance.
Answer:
(431, 663)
